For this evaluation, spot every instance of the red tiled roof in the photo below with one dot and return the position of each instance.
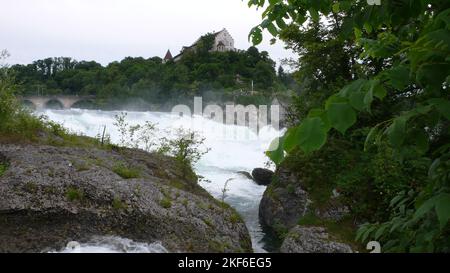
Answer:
(168, 56)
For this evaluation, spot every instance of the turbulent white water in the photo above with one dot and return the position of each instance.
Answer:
(113, 244)
(233, 148)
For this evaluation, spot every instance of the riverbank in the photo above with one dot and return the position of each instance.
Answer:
(233, 149)
(52, 195)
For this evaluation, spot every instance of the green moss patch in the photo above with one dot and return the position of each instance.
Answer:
(118, 204)
(3, 165)
(126, 172)
(3, 168)
(166, 202)
(74, 194)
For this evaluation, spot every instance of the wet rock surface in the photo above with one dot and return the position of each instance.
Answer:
(312, 240)
(262, 176)
(53, 195)
(284, 201)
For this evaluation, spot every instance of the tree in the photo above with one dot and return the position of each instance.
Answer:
(200, 70)
(404, 55)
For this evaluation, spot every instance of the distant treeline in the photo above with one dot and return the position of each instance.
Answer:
(217, 76)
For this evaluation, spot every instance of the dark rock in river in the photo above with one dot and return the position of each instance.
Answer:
(284, 202)
(262, 176)
(312, 240)
(53, 195)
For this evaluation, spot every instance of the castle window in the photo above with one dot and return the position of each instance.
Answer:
(221, 46)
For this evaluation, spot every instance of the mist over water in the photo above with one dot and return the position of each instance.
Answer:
(233, 149)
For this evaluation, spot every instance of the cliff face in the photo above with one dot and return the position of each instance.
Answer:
(52, 195)
(288, 210)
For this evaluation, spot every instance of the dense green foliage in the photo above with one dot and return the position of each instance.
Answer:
(15, 121)
(217, 76)
(387, 100)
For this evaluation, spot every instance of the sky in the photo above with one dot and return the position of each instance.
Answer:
(109, 30)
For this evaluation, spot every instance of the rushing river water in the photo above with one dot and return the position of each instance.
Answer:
(233, 149)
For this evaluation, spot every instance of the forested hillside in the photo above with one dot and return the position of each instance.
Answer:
(214, 75)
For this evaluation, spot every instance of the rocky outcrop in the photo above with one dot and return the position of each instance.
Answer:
(262, 176)
(53, 195)
(334, 210)
(283, 202)
(312, 240)
(284, 205)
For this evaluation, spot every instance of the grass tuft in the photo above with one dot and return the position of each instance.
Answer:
(126, 172)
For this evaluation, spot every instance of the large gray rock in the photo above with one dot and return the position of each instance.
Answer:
(262, 176)
(53, 195)
(312, 240)
(334, 210)
(284, 202)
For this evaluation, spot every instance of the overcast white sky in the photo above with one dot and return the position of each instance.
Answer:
(109, 30)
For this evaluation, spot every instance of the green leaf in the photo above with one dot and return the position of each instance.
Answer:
(395, 200)
(424, 208)
(357, 100)
(335, 7)
(397, 132)
(265, 23)
(380, 232)
(443, 106)
(379, 91)
(272, 29)
(367, 233)
(322, 114)
(256, 36)
(281, 24)
(355, 86)
(345, 5)
(361, 231)
(276, 152)
(370, 139)
(442, 207)
(368, 27)
(432, 74)
(395, 226)
(314, 14)
(361, 92)
(398, 77)
(312, 134)
(291, 139)
(357, 32)
(341, 115)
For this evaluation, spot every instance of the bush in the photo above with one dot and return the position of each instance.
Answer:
(187, 148)
(16, 121)
(367, 181)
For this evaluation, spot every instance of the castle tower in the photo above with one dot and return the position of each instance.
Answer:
(168, 57)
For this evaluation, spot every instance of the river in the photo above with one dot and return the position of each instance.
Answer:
(233, 149)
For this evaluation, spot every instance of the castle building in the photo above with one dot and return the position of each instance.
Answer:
(168, 57)
(223, 42)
